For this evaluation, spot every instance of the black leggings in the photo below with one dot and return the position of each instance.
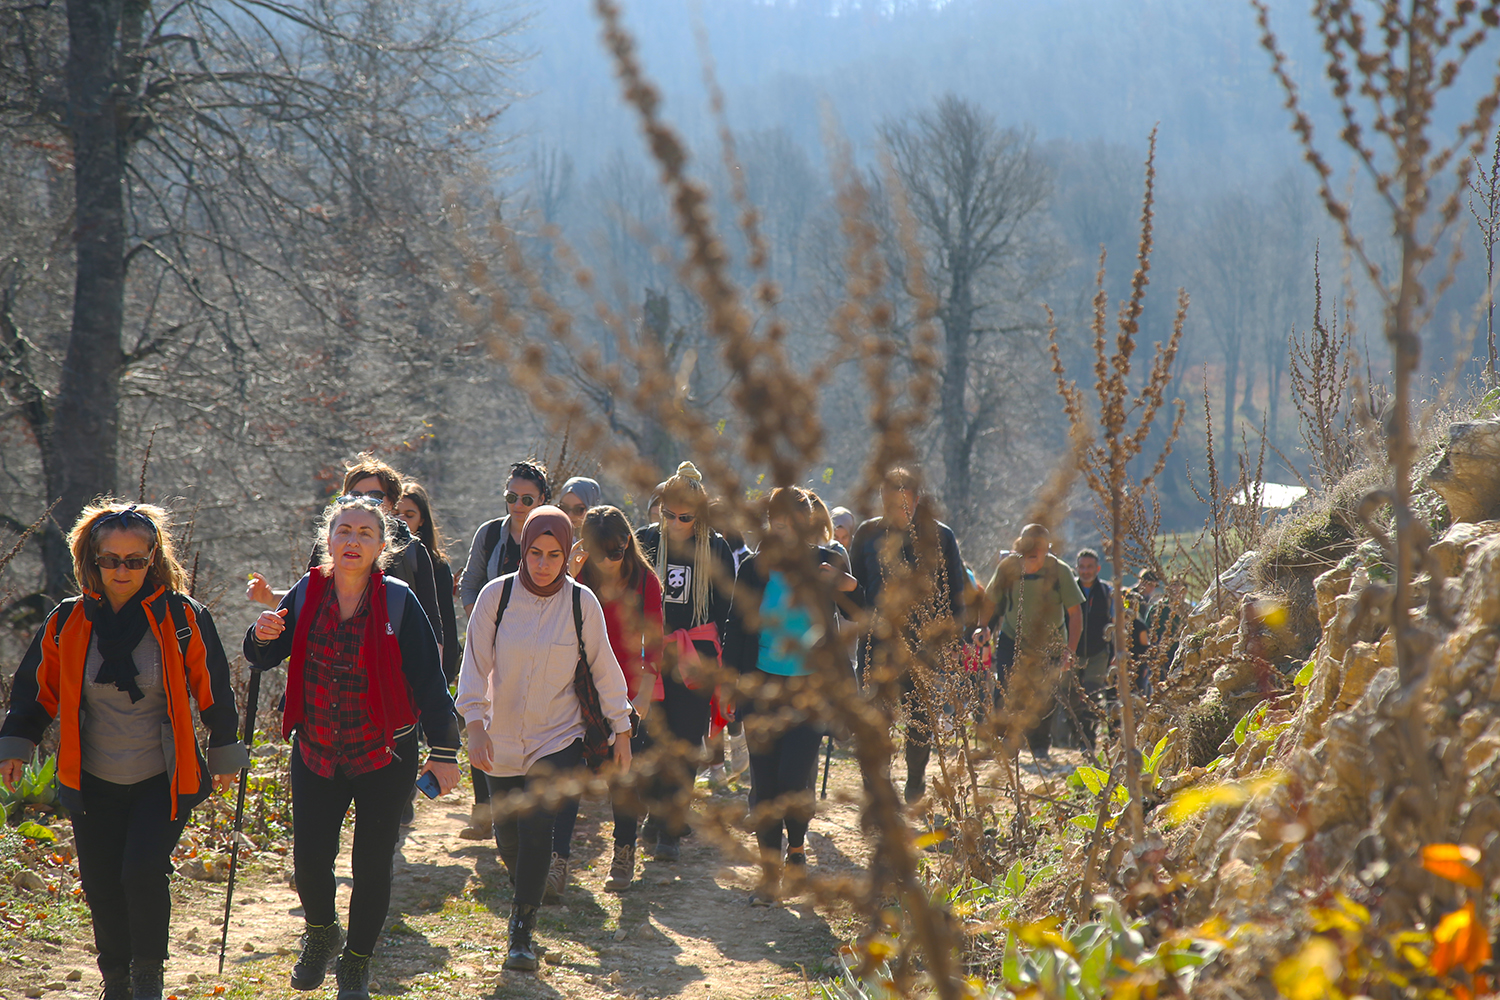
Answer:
(124, 838)
(627, 821)
(785, 769)
(532, 833)
(670, 794)
(319, 806)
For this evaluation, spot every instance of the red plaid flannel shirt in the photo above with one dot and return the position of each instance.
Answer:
(338, 729)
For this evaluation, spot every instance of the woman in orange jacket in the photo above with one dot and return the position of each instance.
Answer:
(117, 666)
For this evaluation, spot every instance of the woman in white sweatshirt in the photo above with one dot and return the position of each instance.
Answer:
(516, 695)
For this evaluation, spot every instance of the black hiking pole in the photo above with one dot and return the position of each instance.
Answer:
(251, 697)
(827, 763)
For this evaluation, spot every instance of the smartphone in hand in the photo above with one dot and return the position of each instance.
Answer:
(427, 784)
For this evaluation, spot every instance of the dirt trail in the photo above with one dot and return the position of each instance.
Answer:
(684, 929)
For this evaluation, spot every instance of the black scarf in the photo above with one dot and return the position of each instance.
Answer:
(118, 633)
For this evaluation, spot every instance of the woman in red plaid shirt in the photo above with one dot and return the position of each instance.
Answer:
(358, 687)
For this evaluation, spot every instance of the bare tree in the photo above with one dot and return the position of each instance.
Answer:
(979, 195)
(212, 141)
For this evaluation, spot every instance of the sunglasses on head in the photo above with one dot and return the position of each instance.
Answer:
(370, 498)
(129, 516)
(115, 562)
(525, 501)
(684, 518)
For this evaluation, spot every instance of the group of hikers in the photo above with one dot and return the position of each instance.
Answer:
(589, 644)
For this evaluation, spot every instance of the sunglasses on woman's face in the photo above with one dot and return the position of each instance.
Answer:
(133, 563)
(684, 518)
(377, 495)
(516, 498)
(574, 510)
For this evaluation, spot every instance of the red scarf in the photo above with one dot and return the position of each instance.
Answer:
(380, 657)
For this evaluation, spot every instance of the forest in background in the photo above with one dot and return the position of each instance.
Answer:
(294, 267)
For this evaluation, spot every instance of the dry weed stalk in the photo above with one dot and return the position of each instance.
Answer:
(1106, 464)
(1322, 364)
(778, 430)
(1487, 191)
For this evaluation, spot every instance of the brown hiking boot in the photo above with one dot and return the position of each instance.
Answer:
(557, 877)
(480, 826)
(621, 869)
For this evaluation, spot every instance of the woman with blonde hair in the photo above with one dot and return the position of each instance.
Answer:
(117, 665)
(696, 569)
(363, 674)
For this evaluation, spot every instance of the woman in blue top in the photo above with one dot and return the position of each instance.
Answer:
(770, 636)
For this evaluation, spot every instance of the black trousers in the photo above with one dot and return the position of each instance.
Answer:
(785, 769)
(319, 806)
(125, 837)
(1031, 696)
(627, 820)
(685, 713)
(532, 833)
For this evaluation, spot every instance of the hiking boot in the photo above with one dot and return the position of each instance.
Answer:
(320, 946)
(915, 789)
(353, 976)
(557, 878)
(146, 983)
(666, 849)
(796, 857)
(739, 755)
(522, 955)
(621, 869)
(650, 833)
(769, 889)
(479, 827)
(116, 987)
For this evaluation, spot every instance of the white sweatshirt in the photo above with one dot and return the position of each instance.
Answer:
(519, 681)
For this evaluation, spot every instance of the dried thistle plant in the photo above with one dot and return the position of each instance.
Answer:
(1105, 464)
(1322, 364)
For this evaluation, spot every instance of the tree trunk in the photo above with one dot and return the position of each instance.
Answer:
(85, 423)
(956, 449)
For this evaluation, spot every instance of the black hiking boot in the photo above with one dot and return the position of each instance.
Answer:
(320, 945)
(117, 987)
(354, 976)
(523, 953)
(146, 982)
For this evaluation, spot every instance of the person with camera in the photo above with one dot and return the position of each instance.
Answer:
(116, 666)
(364, 674)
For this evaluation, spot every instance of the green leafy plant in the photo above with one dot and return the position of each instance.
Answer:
(37, 786)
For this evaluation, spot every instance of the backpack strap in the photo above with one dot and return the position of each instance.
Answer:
(583, 653)
(492, 539)
(177, 612)
(62, 611)
(299, 597)
(500, 611)
(395, 607)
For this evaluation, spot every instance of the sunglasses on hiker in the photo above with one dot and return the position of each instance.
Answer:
(667, 515)
(574, 510)
(377, 495)
(371, 499)
(525, 501)
(133, 563)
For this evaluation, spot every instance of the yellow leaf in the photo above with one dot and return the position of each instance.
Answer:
(1349, 906)
(1454, 862)
(928, 839)
(1191, 801)
(1312, 973)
